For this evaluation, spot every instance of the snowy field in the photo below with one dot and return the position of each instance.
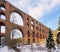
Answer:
(28, 48)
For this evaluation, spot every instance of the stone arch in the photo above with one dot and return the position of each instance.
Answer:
(33, 34)
(2, 27)
(2, 40)
(2, 16)
(16, 33)
(37, 35)
(16, 18)
(28, 32)
(2, 7)
(17, 11)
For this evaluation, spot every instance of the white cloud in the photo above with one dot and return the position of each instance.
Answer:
(53, 4)
(23, 3)
(42, 7)
(37, 11)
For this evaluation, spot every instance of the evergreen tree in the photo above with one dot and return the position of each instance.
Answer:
(49, 41)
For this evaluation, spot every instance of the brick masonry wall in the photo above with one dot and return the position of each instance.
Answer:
(32, 30)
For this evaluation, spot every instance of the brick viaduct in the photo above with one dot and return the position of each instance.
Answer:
(32, 30)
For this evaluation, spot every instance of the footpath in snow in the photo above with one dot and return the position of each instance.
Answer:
(28, 48)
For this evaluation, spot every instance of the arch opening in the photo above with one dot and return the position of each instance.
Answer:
(15, 33)
(2, 7)
(3, 29)
(2, 17)
(16, 18)
(33, 34)
(2, 40)
(17, 36)
(2, 32)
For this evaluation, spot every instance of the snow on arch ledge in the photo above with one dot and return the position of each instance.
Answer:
(16, 18)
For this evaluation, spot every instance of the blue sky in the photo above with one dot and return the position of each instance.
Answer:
(45, 11)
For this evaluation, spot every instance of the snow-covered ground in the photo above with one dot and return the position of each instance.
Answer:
(6, 49)
(28, 48)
